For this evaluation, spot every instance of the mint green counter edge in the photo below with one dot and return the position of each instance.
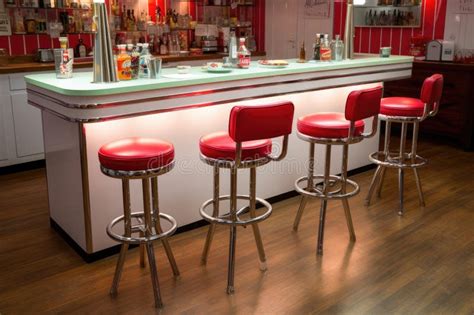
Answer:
(41, 80)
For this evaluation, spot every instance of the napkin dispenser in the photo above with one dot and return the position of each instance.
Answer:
(433, 50)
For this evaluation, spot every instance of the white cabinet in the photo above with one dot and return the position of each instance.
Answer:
(21, 130)
(3, 129)
(27, 124)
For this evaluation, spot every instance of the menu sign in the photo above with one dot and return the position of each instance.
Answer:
(5, 27)
(464, 6)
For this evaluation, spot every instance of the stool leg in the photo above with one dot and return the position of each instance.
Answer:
(154, 275)
(215, 213)
(379, 175)
(401, 171)
(256, 230)
(388, 128)
(372, 185)
(128, 232)
(414, 148)
(233, 230)
(345, 203)
(142, 252)
(324, 202)
(156, 219)
(149, 245)
(304, 198)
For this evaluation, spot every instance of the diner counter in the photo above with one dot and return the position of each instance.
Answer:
(79, 117)
(25, 64)
(78, 99)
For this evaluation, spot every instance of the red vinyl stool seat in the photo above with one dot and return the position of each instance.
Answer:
(405, 111)
(402, 106)
(141, 159)
(221, 146)
(331, 129)
(247, 144)
(328, 125)
(136, 154)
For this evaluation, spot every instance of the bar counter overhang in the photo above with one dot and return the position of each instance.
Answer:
(79, 117)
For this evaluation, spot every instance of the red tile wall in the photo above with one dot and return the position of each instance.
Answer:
(370, 39)
(28, 44)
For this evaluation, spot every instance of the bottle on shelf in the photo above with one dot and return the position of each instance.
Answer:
(317, 47)
(81, 50)
(325, 49)
(124, 64)
(243, 55)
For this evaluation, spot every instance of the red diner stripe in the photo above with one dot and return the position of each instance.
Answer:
(375, 40)
(31, 44)
(17, 44)
(4, 43)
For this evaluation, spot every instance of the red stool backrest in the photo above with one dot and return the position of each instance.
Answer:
(431, 91)
(247, 123)
(363, 104)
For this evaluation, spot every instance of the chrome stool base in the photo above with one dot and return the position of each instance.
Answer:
(148, 226)
(328, 181)
(399, 160)
(234, 217)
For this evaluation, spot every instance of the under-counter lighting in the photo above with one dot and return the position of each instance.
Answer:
(359, 2)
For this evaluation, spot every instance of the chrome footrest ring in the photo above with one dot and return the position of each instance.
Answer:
(140, 240)
(354, 188)
(392, 159)
(225, 219)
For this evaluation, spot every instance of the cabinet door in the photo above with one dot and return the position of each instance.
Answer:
(28, 126)
(3, 132)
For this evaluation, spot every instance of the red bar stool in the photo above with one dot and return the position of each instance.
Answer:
(144, 159)
(405, 110)
(247, 144)
(335, 129)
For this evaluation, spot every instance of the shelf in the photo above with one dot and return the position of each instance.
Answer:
(48, 9)
(386, 6)
(389, 26)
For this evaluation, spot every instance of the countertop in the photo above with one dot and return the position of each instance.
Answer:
(22, 64)
(80, 84)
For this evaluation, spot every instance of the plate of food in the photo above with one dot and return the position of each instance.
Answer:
(216, 67)
(273, 63)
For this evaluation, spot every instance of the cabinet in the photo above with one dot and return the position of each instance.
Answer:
(21, 134)
(455, 119)
(27, 125)
(3, 134)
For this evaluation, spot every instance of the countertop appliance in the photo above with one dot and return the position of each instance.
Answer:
(209, 44)
(44, 55)
(447, 51)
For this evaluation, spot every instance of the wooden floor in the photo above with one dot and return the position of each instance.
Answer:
(422, 263)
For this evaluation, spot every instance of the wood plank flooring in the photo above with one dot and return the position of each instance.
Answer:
(422, 263)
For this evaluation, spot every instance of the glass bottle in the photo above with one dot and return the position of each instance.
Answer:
(145, 58)
(134, 60)
(337, 49)
(317, 48)
(325, 49)
(124, 64)
(233, 49)
(302, 56)
(243, 55)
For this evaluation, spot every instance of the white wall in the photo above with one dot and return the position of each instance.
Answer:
(287, 27)
(460, 23)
